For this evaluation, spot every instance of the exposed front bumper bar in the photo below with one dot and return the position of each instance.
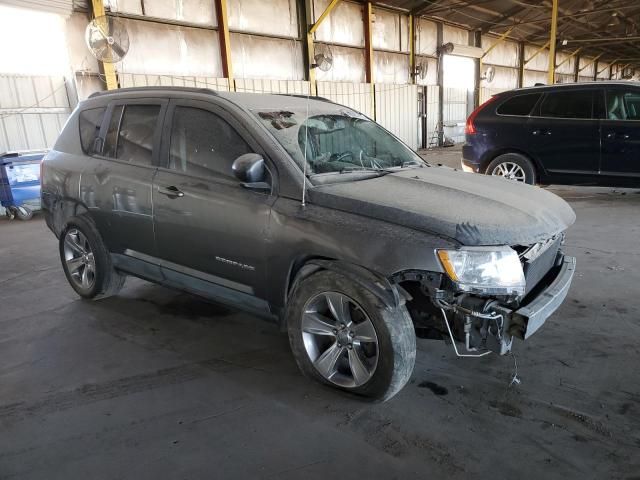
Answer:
(535, 313)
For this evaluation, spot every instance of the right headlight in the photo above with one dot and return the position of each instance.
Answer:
(485, 270)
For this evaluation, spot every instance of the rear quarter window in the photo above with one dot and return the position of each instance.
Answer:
(90, 121)
(519, 105)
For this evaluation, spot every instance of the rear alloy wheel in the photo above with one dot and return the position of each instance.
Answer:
(513, 166)
(79, 259)
(87, 262)
(341, 334)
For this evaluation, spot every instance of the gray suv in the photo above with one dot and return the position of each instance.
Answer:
(308, 213)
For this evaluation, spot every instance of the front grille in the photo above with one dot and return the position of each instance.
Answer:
(536, 269)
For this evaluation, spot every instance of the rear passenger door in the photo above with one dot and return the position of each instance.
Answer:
(564, 132)
(116, 184)
(210, 230)
(621, 133)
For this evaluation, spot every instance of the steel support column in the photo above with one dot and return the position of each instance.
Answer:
(368, 53)
(312, 26)
(520, 64)
(225, 44)
(551, 77)
(412, 50)
(108, 69)
(440, 80)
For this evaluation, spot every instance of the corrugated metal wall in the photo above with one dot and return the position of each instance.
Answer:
(358, 96)
(33, 110)
(142, 80)
(397, 111)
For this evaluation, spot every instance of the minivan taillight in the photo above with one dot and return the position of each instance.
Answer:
(470, 127)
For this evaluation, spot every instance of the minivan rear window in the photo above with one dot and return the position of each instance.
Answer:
(90, 122)
(519, 105)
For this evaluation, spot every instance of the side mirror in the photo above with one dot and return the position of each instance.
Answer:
(249, 168)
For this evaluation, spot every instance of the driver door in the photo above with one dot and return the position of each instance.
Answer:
(210, 230)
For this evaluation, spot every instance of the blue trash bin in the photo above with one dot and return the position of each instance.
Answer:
(20, 183)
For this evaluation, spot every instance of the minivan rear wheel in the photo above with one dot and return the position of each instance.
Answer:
(86, 261)
(513, 166)
(342, 335)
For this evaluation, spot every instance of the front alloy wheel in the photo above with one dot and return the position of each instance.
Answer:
(339, 339)
(79, 259)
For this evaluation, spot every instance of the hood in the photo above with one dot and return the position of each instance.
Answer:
(470, 208)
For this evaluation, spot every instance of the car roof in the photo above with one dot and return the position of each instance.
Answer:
(246, 100)
(578, 85)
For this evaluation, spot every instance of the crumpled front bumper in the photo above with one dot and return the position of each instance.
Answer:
(533, 315)
(494, 326)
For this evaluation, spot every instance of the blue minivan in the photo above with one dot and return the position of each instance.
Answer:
(575, 134)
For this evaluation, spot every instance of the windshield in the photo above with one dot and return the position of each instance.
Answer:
(336, 140)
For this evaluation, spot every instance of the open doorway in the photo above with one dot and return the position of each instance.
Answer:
(459, 87)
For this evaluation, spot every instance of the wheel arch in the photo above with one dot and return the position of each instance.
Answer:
(61, 210)
(387, 291)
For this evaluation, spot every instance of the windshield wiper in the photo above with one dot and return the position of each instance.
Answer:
(362, 169)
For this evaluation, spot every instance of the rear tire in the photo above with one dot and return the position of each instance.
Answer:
(513, 166)
(86, 261)
(374, 360)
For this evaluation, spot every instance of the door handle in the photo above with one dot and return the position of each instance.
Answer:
(620, 136)
(171, 191)
(541, 131)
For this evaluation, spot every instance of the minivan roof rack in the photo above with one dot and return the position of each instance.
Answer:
(156, 89)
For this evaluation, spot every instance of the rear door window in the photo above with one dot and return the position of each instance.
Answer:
(519, 105)
(567, 104)
(90, 122)
(623, 104)
(131, 133)
(202, 143)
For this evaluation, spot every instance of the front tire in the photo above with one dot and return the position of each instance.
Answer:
(513, 166)
(86, 261)
(342, 335)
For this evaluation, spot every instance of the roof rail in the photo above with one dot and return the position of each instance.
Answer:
(311, 97)
(154, 88)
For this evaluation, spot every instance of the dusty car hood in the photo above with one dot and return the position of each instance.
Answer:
(472, 209)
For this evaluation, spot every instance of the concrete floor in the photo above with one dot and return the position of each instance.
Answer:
(158, 384)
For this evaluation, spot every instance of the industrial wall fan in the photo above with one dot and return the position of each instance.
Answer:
(323, 59)
(488, 75)
(107, 39)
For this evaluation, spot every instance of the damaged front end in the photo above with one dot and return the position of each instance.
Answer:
(488, 296)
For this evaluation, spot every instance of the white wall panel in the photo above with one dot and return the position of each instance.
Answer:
(564, 78)
(142, 80)
(568, 67)
(456, 35)
(273, 17)
(426, 37)
(585, 79)
(344, 26)
(589, 71)
(388, 30)
(358, 96)
(261, 57)
(532, 77)
(454, 112)
(397, 111)
(199, 12)
(504, 78)
(33, 110)
(390, 67)
(348, 64)
(540, 62)
(603, 71)
(265, 85)
(505, 53)
(171, 50)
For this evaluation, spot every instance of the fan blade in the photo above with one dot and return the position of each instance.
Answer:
(121, 52)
